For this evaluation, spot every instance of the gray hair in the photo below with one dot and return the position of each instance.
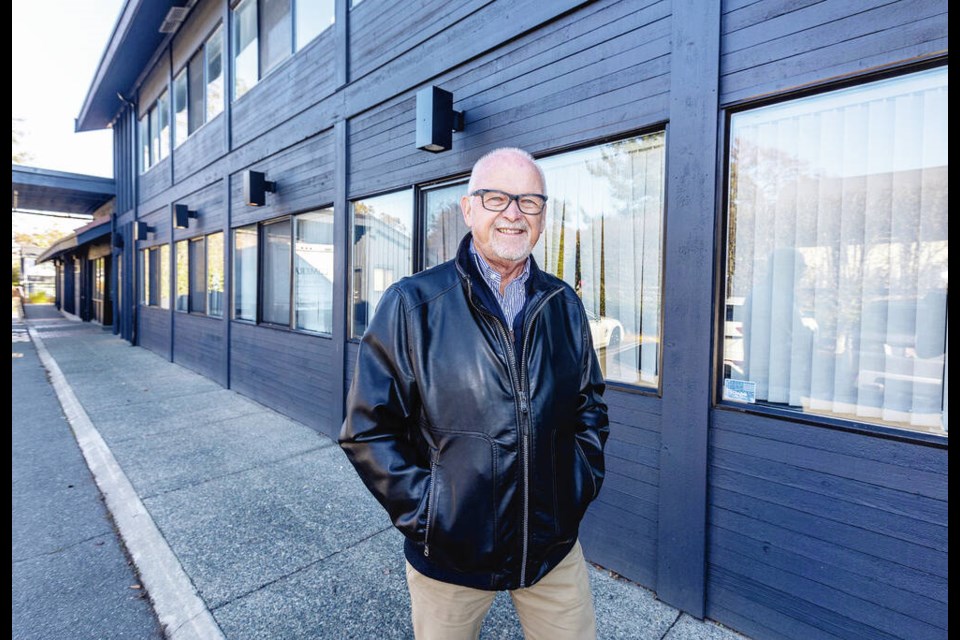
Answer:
(516, 151)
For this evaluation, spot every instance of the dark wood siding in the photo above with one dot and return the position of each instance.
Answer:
(198, 344)
(774, 46)
(155, 180)
(825, 533)
(205, 145)
(154, 331)
(211, 212)
(591, 74)
(404, 25)
(291, 87)
(287, 371)
(304, 177)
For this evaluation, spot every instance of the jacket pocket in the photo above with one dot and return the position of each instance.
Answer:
(461, 526)
(574, 483)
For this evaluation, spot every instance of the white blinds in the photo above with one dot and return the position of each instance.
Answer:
(838, 249)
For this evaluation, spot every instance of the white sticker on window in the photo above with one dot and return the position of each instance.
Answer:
(740, 390)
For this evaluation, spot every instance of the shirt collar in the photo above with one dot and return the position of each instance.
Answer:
(491, 275)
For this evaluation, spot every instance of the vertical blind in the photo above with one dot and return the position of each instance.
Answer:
(837, 246)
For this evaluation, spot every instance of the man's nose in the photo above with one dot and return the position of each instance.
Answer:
(512, 212)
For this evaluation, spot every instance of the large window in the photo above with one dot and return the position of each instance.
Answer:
(198, 88)
(154, 131)
(276, 272)
(163, 277)
(266, 32)
(836, 283)
(313, 274)
(215, 274)
(444, 226)
(245, 273)
(183, 276)
(382, 251)
(198, 276)
(603, 234)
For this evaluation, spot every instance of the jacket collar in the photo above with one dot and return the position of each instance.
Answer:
(537, 282)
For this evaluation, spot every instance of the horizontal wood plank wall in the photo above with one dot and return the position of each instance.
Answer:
(600, 71)
(198, 345)
(154, 333)
(211, 212)
(776, 45)
(293, 86)
(619, 531)
(286, 371)
(304, 177)
(380, 32)
(204, 145)
(154, 180)
(823, 533)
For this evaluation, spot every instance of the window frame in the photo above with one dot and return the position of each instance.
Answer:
(770, 411)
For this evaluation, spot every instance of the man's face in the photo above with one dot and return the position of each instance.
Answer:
(504, 239)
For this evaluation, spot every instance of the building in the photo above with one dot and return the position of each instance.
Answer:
(750, 197)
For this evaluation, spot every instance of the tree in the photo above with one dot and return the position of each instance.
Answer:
(19, 156)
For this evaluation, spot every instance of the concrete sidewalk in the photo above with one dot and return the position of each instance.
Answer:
(246, 524)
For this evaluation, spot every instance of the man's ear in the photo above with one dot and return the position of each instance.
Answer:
(465, 209)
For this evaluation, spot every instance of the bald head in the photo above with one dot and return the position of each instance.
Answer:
(508, 155)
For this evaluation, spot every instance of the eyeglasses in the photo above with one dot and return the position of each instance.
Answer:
(529, 203)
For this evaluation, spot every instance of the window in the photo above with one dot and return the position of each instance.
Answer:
(143, 131)
(382, 251)
(604, 236)
(213, 50)
(180, 121)
(163, 277)
(245, 273)
(154, 130)
(275, 33)
(145, 276)
(215, 274)
(245, 46)
(183, 276)
(313, 275)
(163, 118)
(443, 223)
(196, 112)
(311, 19)
(836, 282)
(266, 32)
(276, 272)
(198, 277)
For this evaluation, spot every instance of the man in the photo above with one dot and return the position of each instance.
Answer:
(476, 419)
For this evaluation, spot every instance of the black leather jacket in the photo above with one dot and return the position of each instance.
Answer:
(485, 458)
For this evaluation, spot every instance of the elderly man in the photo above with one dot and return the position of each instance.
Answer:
(476, 419)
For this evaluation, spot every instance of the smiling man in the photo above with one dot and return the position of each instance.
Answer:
(476, 419)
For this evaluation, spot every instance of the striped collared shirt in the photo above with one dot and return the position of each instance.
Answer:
(514, 296)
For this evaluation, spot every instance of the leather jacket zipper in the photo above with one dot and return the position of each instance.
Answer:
(426, 534)
(518, 376)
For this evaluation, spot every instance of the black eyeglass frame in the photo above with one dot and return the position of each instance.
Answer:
(510, 197)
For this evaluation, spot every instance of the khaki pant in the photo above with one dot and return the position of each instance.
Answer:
(558, 607)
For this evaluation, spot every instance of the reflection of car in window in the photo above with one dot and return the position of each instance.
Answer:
(607, 332)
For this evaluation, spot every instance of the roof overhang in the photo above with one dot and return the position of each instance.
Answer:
(86, 234)
(136, 37)
(46, 190)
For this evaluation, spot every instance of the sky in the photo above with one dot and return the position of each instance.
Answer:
(57, 45)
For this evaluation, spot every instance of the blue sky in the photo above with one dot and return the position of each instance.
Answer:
(57, 45)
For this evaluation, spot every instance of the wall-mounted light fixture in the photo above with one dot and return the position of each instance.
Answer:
(141, 229)
(182, 215)
(255, 188)
(436, 119)
(117, 241)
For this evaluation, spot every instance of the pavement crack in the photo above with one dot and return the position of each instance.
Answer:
(672, 624)
(60, 550)
(303, 568)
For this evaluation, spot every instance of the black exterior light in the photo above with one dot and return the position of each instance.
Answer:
(182, 215)
(117, 241)
(140, 230)
(255, 188)
(436, 120)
